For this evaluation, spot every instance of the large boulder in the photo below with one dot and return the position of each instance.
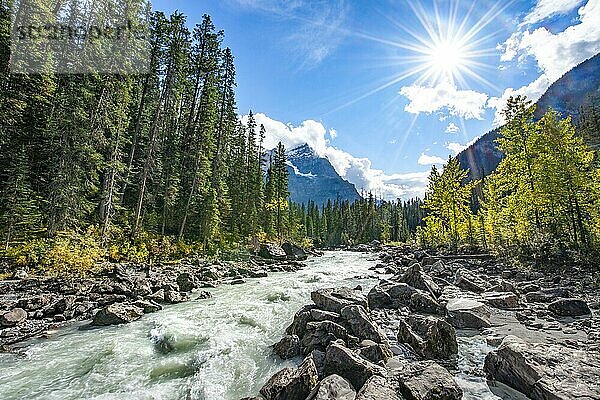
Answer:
(398, 295)
(319, 334)
(186, 282)
(378, 388)
(294, 252)
(342, 361)
(547, 295)
(468, 314)
(288, 347)
(469, 281)
(429, 337)
(292, 384)
(13, 317)
(545, 371)
(148, 306)
(375, 352)
(301, 318)
(117, 313)
(334, 300)
(333, 387)
(388, 295)
(360, 323)
(424, 380)
(420, 280)
(501, 300)
(569, 307)
(272, 252)
(174, 297)
(424, 303)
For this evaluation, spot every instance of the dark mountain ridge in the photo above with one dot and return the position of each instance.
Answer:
(575, 89)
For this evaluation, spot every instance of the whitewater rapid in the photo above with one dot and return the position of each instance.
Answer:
(212, 349)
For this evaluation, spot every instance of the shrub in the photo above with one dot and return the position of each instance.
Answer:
(73, 255)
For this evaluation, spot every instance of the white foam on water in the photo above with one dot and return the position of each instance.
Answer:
(212, 349)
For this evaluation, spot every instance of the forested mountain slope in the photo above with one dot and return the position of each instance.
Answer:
(577, 90)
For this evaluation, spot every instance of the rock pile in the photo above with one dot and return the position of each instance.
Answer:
(398, 341)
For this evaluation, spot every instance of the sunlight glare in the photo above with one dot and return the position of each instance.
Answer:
(447, 58)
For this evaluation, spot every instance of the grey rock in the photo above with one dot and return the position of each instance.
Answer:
(378, 388)
(294, 252)
(318, 358)
(501, 300)
(158, 296)
(301, 318)
(424, 303)
(375, 352)
(360, 323)
(545, 371)
(333, 387)
(320, 315)
(424, 380)
(319, 334)
(292, 384)
(388, 295)
(333, 300)
(468, 314)
(420, 280)
(340, 360)
(429, 337)
(468, 281)
(569, 307)
(272, 252)
(148, 306)
(186, 282)
(203, 295)
(13, 317)
(288, 347)
(117, 313)
(174, 297)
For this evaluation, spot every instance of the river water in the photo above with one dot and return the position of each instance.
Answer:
(213, 349)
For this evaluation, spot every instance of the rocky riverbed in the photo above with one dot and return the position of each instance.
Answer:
(413, 325)
(400, 340)
(36, 306)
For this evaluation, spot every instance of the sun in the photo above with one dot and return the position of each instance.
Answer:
(447, 58)
(439, 46)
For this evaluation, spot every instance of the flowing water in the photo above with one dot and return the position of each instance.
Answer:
(214, 349)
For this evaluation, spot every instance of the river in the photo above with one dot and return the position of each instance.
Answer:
(213, 349)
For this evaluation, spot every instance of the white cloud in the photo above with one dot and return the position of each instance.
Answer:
(425, 159)
(554, 53)
(357, 170)
(333, 133)
(533, 91)
(452, 128)
(547, 8)
(455, 147)
(467, 104)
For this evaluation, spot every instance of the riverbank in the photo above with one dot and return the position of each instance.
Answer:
(401, 339)
(33, 307)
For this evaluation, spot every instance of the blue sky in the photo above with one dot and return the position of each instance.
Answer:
(384, 88)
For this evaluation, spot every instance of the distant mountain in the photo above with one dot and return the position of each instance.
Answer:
(576, 88)
(313, 178)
